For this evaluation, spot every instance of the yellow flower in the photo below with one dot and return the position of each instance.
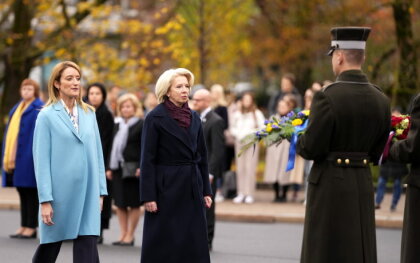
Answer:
(404, 123)
(297, 122)
(306, 112)
(268, 128)
(399, 132)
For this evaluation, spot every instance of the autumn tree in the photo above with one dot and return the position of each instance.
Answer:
(113, 44)
(212, 38)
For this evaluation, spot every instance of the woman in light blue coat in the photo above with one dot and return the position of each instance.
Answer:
(69, 169)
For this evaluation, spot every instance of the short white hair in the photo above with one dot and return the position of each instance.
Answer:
(164, 82)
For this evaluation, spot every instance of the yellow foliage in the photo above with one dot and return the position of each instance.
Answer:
(83, 6)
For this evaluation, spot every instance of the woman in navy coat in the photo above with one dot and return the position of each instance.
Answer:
(18, 165)
(174, 176)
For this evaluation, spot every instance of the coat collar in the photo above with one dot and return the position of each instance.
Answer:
(171, 126)
(353, 76)
(65, 118)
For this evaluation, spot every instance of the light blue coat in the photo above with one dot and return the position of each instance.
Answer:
(70, 173)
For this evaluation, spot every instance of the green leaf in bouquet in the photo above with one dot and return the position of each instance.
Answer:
(273, 137)
(288, 131)
(246, 147)
(250, 138)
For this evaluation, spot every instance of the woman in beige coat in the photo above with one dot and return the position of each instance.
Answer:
(245, 121)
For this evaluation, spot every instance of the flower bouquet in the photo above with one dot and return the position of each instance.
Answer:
(276, 130)
(400, 125)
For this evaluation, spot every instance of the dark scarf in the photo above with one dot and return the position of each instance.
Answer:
(181, 114)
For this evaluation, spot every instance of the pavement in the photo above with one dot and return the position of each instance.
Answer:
(234, 242)
(262, 211)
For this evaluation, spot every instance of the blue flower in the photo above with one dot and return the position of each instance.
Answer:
(290, 114)
(301, 114)
(266, 122)
(275, 126)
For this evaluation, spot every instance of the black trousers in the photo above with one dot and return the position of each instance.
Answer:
(106, 207)
(85, 250)
(211, 215)
(29, 206)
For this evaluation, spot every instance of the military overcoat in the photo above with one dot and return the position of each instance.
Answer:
(348, 125)
(408, 151)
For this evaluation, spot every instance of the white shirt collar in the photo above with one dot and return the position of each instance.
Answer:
(75, 113)
(204, 113)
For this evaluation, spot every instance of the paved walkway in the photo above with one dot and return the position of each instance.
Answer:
(262, 211)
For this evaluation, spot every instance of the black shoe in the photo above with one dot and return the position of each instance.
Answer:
(116, 243)
(393, 208)
(15, 236)
(377, 207)
(127, 244)
(100, 240)
(33, 236)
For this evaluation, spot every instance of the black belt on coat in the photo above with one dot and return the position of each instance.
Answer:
(194, 176)
(349, 159)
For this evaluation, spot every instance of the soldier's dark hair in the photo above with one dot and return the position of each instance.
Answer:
(354, 56)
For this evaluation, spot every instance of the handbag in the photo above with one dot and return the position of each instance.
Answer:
(129, 169)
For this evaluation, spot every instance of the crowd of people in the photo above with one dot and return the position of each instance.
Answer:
(120, 117)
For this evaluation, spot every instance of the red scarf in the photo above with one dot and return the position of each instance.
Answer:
(181, 114)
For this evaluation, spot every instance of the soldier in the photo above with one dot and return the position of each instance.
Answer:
(408, 151)
(348, 127)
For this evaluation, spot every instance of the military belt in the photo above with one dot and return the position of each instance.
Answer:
(349, 159)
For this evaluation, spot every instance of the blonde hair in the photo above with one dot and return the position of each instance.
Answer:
(136, 103)
(165, 80)
(220, 100)
(54, 93)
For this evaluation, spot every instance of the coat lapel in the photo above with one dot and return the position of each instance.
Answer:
(172, 127)
(61, 112)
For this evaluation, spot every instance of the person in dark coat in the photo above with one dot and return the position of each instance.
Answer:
(124, 166)
(287, 86)
(96, 96)
(17, 158)
(174, 177)
(348, 126)
(408, 151)
(213, 127)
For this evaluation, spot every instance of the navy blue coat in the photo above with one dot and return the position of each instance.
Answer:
(174, 173)
(24, 174)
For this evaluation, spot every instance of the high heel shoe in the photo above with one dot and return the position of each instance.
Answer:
(15, 236)
(33, 236)
(127, 244)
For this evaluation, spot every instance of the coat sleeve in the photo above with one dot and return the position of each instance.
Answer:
(203, 164)
(408, 150)
(148, 157)
(314, 144)
(101, 164)
(41, 150)
(217, 141)
(378, 148)
(107, 137)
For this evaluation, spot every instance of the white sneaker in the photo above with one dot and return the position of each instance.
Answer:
(249, 200)
(238, 199)
(219, 198)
